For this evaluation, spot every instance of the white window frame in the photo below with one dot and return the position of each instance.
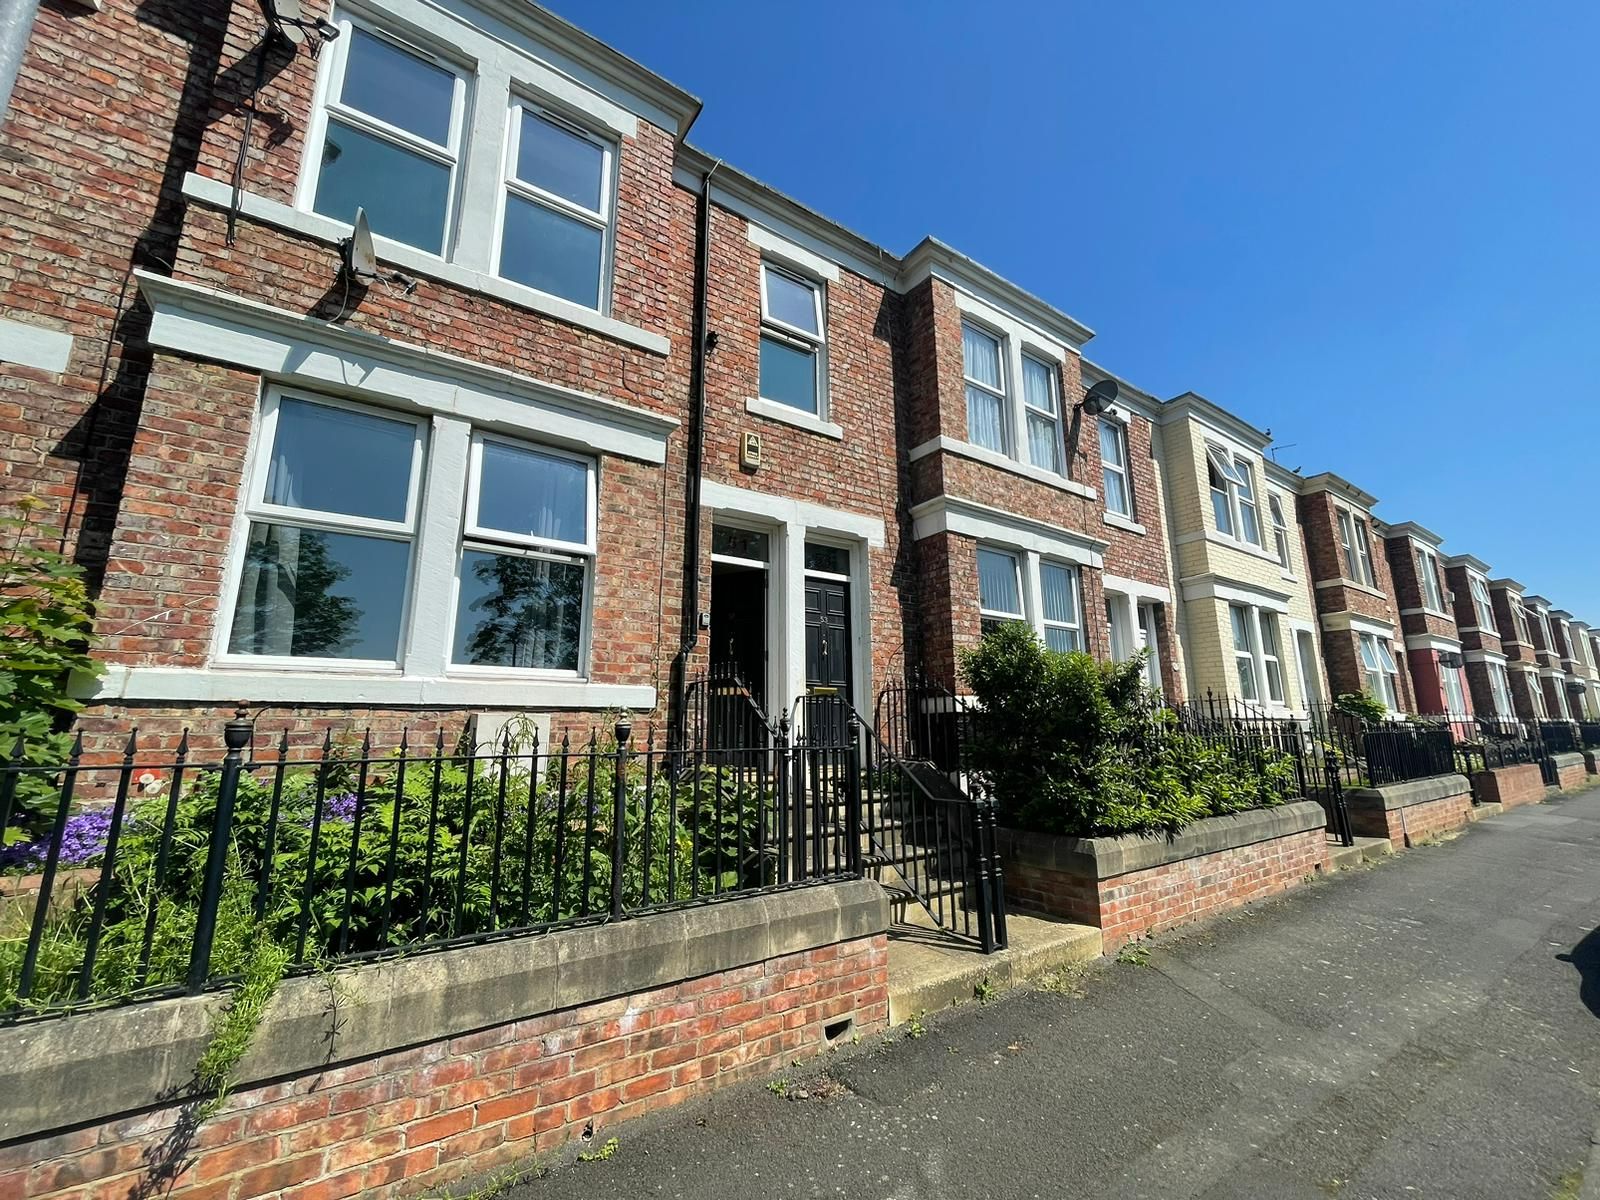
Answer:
(1305, 655)
(256, 509)
(1378, 665)
(1120, 626)
(1271, 635)
(1500, 691)
(1455, 697)
(604, 219)
(1149, 640)
(1119, 431)
(330, 85)
(1280, 529)
(1428, 579)
(485, 540)
(1002, 357)
(1052, 372)
(1075, 578)
(1239, 485)
(1357, 546)
(1482, 604)
(992, 614)
(1536, 693)
(1247, 655)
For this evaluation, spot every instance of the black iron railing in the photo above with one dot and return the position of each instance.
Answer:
(343, 852)
(1589, 734)
(1560, 737)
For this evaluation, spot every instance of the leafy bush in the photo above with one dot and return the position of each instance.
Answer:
(46, 620)
(1071, 745)
(1363, 706)
(408, 865)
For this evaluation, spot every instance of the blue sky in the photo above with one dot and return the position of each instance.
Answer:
(1371, 228)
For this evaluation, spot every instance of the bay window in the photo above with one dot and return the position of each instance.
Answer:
(1272, 655)
(999, 589)
(1244, 650)
(792, 340)
(332, 514)
(1353, 541)
(1280, 529)
(1428, 574)
(1455, 700)
(1500, 690)
(1044, 414)
(525, 558)
(389, 131)
(1058, 587)
(986, 389)
(556, 231)
(1480, 601)
(1114, 466)
(1233, 495)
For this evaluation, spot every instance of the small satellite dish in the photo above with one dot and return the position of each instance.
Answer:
(360, 259)
(293, 34)
(286, 10)
(1100, 397)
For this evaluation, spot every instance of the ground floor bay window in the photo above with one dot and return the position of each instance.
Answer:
(1257, 654)
(346, 515)
(1006, 577)
(1378, 670)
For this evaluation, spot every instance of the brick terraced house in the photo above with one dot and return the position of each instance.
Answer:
(1547, 656)
(1482, 648)
(1432, 639)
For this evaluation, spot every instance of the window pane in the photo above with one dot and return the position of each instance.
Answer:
(1044, 450)
(529, 494)
(833, 559)
(997, 583)
(1275, 680)
(1062, 640)
(551, 251)
(518, 612)
(405, 194)
(1036, 389)
(1116, 489)
(309, 593)
(981, 356)
(1243, 640)
(334, 460)
(560, 161)
(790, 301)
(1247, 677)
(788, 375)
(1060, 594)
(1221, 508)
(739, 543)
(1385, 657)
(398, 88)
(1369, 653)
(1111, 444)
(1249, 527)
(1269, 634)
(985, 419)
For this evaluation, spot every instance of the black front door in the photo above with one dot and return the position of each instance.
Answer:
(828, 656)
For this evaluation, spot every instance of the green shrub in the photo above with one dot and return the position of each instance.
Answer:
(1363, 706)
(1071, 745)
(415, 870)
(45, 625)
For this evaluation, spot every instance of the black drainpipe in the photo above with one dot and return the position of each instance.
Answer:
(695, 451)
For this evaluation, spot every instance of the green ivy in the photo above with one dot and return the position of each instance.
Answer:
(1071, 745)
(47, 621)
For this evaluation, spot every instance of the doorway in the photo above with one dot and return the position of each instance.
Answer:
(828, 659)
(737, 698)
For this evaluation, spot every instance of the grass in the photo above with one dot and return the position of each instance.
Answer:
(608, 1150)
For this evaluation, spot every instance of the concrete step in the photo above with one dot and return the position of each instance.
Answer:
(928, 970)
(1365, 849)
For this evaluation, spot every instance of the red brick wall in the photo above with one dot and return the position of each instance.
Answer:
(420, 1119)
(1509, 786)
(1140, 902)
(1414, 823)
(1408, 593)
(1574, 776)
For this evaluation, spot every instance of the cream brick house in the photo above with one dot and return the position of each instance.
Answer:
(1247, 617)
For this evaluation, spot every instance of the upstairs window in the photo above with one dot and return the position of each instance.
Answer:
(1058, 587)
(1428, 573)
(1519, 616)
(557, 229)
(1357, 549)
(1280, 529)
(791, 340)
(999, 589)
(1044, 414)
(332, 508)
(1233, 496)
(986, 389)
(1114, 466)
(390, 138)
(526, 557)
(1480, 601)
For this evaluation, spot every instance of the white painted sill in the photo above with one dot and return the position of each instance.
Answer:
(1118, 521)
(962, 449)
(217, 194)
(1243, 547)
(793, 416)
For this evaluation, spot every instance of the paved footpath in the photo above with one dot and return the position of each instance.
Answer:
(1427, 1027)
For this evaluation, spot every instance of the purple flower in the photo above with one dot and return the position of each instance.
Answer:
(83, 839)
(339, 808)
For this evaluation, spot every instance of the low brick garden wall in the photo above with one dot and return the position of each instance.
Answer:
(1510, 786)
(1412, 812)
(417, 1073)
(1570, 771)
(1138, 884)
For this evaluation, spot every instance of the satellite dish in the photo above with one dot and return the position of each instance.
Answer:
(360, 258)
(286, 10)
(1100, 397)
(293, 34)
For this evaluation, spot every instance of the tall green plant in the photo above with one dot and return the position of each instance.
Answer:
(47, 621)
(1072, 745)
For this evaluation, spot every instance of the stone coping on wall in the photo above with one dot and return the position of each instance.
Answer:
(88, 1066)
(1391, 796)
(1107, 857)
(1565, 762)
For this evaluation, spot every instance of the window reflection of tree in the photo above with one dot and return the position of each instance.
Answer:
(528, 614)
(287, 604)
